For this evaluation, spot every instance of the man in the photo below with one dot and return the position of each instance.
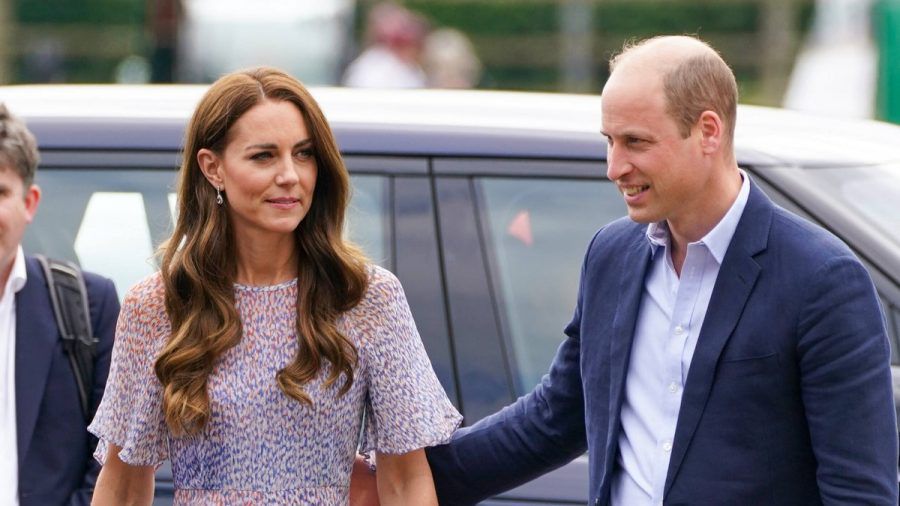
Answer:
(45, 449)
(744, 359)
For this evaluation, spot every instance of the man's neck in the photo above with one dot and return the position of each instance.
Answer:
(694, 228)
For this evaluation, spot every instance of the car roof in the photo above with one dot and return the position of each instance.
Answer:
(433, 122)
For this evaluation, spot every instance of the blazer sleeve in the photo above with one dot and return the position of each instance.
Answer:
(104, 307)
(844, 359)
(541, 431)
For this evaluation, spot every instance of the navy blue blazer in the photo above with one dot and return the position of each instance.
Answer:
(788, 400)
(56, 466)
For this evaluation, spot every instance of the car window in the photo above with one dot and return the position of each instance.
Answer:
(114, 237)
(107, 221)
(367, 217)
(111, 221)
(537, 231)
(851, 187)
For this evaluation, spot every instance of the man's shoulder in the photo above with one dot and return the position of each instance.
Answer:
(808, 241)
(93, 281)
(101, 291)
(786, 235)
(617, 234)
(97, 282)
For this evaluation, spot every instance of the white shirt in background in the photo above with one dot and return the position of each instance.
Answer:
(9, 454)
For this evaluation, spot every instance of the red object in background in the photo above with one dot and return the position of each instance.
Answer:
(520, 228)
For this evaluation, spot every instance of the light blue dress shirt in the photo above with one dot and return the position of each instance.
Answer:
(668, 324)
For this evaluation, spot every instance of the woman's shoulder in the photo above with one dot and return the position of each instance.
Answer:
(383, 286)
(146, 297)
(383, 291)
(375, 321)
(380, 276)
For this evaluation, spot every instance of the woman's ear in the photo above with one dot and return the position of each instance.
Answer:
(711, 131)
(211, 166)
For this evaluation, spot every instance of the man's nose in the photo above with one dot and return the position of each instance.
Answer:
(617, 164)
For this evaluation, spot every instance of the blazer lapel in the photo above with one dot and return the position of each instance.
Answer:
(631, 286)
(733, 287)
(36, 338)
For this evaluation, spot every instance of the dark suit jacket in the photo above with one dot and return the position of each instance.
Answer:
(55, 462)
(788, 400)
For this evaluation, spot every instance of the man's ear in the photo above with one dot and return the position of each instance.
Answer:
(32, 199)
(712, 131)
(211, 166)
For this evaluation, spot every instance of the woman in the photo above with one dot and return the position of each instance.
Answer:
(250, 358)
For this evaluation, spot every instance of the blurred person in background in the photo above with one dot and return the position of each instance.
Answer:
(450, 60)
(252, 358)
(393, 57)
(45, 449)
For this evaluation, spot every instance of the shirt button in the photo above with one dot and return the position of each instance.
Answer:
(673, 387)
(679, 330)
(667, 446)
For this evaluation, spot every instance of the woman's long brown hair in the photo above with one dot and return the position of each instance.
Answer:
(199, 262)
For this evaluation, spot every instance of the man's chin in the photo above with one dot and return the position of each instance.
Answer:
(641, 217)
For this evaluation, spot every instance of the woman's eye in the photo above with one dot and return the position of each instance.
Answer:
(263, 155)
(304, 153)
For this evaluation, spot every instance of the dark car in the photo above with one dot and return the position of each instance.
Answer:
(482, 203)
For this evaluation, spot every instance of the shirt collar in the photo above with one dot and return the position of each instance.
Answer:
(717, 239)
(17, 276)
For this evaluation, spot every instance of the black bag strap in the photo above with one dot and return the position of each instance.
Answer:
(68, 295)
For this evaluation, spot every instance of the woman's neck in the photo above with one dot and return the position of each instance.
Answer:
(263, 263)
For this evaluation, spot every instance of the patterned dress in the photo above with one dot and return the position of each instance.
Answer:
(261, 446)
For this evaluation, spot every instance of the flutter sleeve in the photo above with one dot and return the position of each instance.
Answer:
(130, 415)
(406, 407)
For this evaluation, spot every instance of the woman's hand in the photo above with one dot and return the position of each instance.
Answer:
(121, 484)
(405, 479)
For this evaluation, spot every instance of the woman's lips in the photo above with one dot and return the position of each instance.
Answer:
(284, 202)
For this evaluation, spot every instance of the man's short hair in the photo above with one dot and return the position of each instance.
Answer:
(18, 147)
(703, 82)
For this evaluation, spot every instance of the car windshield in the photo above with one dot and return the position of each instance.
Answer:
(872, 193)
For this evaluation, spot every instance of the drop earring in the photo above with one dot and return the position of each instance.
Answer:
(219, 199)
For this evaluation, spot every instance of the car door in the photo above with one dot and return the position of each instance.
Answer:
(512, 237)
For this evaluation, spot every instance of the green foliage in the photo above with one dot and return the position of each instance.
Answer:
(528, 27)
(496, 24)
(80, 11)
(75, 70)
(490, 17)
(650, 18)
(610, 16)
(521, 78)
